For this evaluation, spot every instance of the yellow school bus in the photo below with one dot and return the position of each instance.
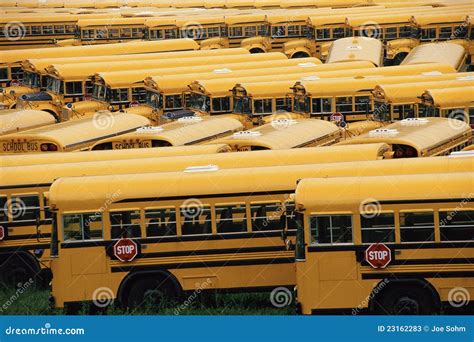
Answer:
(351, 98)
(100, 31)
(285, 134)
(422, 223)
(235, 229)
(20, 120)
(27, 183)
(122, 86)
(419, 137)
(185, 131)
(10, 61)
(402, 101)
(456, 103)
(72, 135)
(356, 49)
(108, 155)
(444, 52)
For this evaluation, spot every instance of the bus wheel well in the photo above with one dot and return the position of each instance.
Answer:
(389, 287)
(256, 50)
(162, 277)
(300, 54)
(19, 267)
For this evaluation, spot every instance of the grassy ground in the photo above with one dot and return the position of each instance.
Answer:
(35, 302)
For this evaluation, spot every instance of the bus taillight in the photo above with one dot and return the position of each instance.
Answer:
(48, 147)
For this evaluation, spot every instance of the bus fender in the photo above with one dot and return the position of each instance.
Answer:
(387, 283)
(130, 278)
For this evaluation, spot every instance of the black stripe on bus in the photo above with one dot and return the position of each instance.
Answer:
(24, 247)
(411, 275)
(237, 194)
(165, 239)
(26, 236)
(26, 223)
(22, 186)
(419, 245)
(203, 264)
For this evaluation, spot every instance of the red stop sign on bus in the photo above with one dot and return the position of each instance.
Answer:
(336, 117)
(378, 255)
(2, 233)
(125, 249)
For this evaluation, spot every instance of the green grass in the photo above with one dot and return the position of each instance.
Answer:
(35, 302)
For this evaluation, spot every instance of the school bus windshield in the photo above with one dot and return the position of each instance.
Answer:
(154, 100)
(54, 85)
(199, 102)
(99, 92)
(31, 79)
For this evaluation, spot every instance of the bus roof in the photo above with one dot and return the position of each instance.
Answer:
(380, 188)
(68, 135)
(282, 134)
(443, 52)
(11, 56)
(77, 165)
(110, 155)
(70, 194)
(439, 18)
(356, 49)
(83, 23)
(422, 134)
(258, 89)
(20, 120)
(410, 92)
(380, 19)
(242, 19)
(184, 131)
(449, 97)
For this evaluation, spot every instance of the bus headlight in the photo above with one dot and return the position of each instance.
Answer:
(70, 105)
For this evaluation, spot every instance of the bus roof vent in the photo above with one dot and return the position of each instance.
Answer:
(414, 121)
(431, 73)
(283, 123)
(202, 168)
(465, 78)
(353, 47)
(149, 129)
(310, 78)
(247, 134)
(306, 65)
(190, 119)
(461, 154)
(383, 132)
(222, 71)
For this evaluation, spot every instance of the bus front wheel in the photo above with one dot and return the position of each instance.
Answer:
(406, 300)
(151, 292)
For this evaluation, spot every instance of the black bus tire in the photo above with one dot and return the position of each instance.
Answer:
(406, 300)
(150, 291)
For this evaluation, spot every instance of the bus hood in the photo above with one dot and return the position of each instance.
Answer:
(41, 96)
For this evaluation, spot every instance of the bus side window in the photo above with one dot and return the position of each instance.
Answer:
(82, 226)
(331, 229)
(379, 228)
(266, 216)
(196, 219)
(24, 208)
(456, 225)
(416, 226)
(3, 209)
(231, 218)
(160, 222)
(471, 116)
(125, 224)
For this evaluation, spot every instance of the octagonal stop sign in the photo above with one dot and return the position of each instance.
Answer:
(125, 250)
(378, 255)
